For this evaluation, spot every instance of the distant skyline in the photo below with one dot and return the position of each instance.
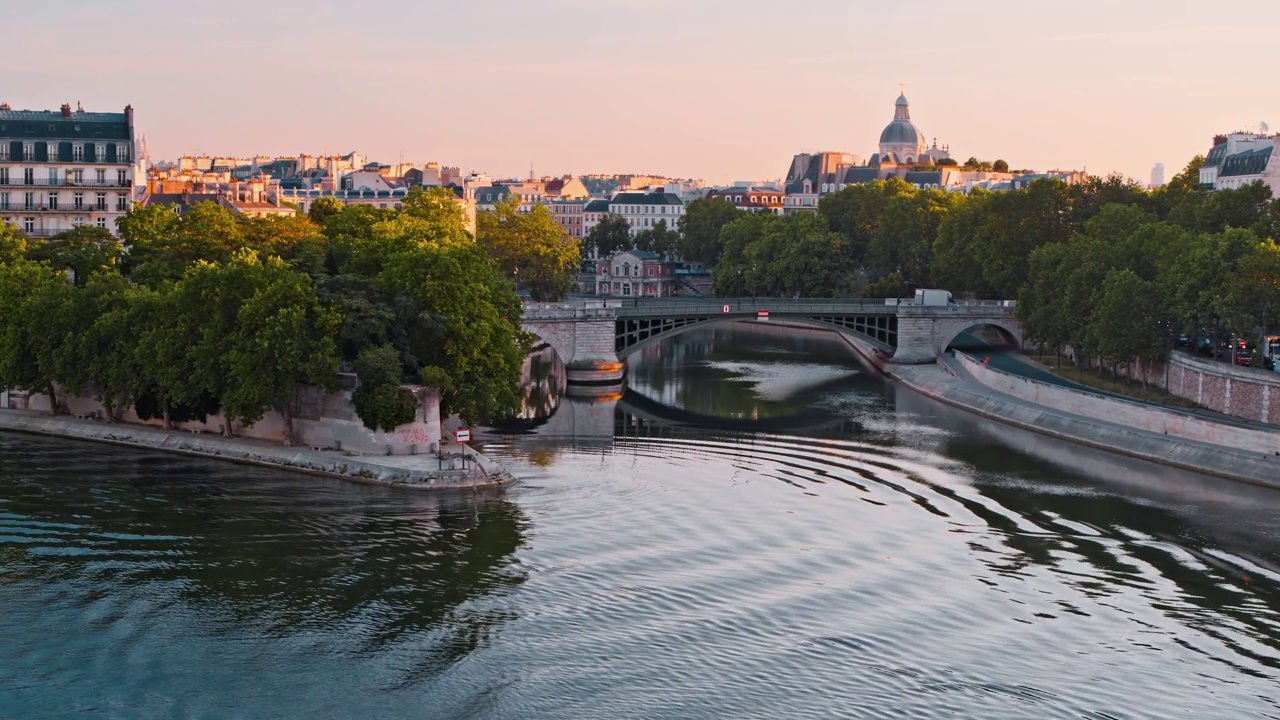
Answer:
(718, 90)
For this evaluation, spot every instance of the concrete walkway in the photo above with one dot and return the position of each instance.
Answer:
(460, 467)
(948, 382)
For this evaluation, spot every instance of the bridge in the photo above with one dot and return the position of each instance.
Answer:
(594, 337)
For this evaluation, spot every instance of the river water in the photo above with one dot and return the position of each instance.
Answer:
(755, 529)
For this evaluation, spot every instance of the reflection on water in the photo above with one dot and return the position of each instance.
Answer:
(756, 528)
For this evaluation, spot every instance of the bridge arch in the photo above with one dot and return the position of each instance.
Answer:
(631, 339)
(1005, 333)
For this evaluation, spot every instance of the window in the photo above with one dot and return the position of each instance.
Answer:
(77, 152)
(78, 221)
(28, 151)
(102, 222)
(53, 201)
(122, 153)
(29, 201)
(4, 176)
(101, 203)
(122, 203)
(4, 201)
(77, 200)
(122, 178)
(53, 176)
(4, 151)
(101, 176)
(28, 176)
(29, 225)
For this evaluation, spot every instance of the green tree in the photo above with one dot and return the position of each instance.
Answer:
(323, 208)
(530, 248)
(34, 304)
(437, 205)
(892, 285)
(206, 231)
(293, 238)
(13, 244)
(1125, 322)
(734, 274)
(658, 239)
(464, 337)
(84, 251)
(955, 264)
(380, 401)
(609, 235)
(283, 338)
(1000, 166)
(856, 211)
(908, 230)
(700, 227)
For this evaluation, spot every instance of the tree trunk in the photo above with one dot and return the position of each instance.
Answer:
(108, 412)
(290, 439)
(168, 418)
(53, 399)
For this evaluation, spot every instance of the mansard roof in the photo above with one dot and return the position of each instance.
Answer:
(640, 198)
(1252, 162)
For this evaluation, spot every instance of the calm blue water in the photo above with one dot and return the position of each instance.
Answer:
(884, 558)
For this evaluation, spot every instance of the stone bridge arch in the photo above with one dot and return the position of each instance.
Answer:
(582, 335)
(630, 341)
(925, 333)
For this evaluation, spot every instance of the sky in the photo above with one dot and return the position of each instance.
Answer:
(721, 90)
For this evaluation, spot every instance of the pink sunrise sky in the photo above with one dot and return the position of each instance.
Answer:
(701, 88)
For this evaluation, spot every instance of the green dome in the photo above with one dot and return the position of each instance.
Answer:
(901, 132)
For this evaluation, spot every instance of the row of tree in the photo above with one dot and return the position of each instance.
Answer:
(203, 311)
(1105, 266)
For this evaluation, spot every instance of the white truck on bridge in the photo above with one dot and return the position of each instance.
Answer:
(933, 297)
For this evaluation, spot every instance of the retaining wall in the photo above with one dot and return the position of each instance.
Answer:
(321, 420)
(1136, 415)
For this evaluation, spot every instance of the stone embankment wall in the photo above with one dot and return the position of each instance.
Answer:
(1129, 414)
(321, 420)
(1249, 393)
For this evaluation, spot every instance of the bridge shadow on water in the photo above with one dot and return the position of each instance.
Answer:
(635, 409)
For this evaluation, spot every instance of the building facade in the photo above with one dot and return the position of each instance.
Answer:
(644, 210)
(1239, 159)
(755, 199)
(61, 169)
(568, 214)
(636, 273)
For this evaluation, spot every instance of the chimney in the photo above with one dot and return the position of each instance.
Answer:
(66, 110)
(79, 107)
(5, 106)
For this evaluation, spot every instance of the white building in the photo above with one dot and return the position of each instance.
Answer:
(643, 211)
(1239, 159)
(63, 169)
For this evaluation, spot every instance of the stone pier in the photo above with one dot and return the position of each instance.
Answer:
(582, 334)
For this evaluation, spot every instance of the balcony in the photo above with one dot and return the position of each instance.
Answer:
(64, 182)
(43, 208)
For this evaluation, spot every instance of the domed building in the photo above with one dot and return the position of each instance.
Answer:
(903, 143)
(901, 138)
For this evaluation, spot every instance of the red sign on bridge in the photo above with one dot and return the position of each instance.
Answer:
(762, 315)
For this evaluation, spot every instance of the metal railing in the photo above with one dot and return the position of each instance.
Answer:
(63, 182)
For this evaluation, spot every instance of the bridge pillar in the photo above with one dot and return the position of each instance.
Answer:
(582, 334)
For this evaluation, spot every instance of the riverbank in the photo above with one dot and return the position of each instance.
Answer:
(951, 383)
(459, 468)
